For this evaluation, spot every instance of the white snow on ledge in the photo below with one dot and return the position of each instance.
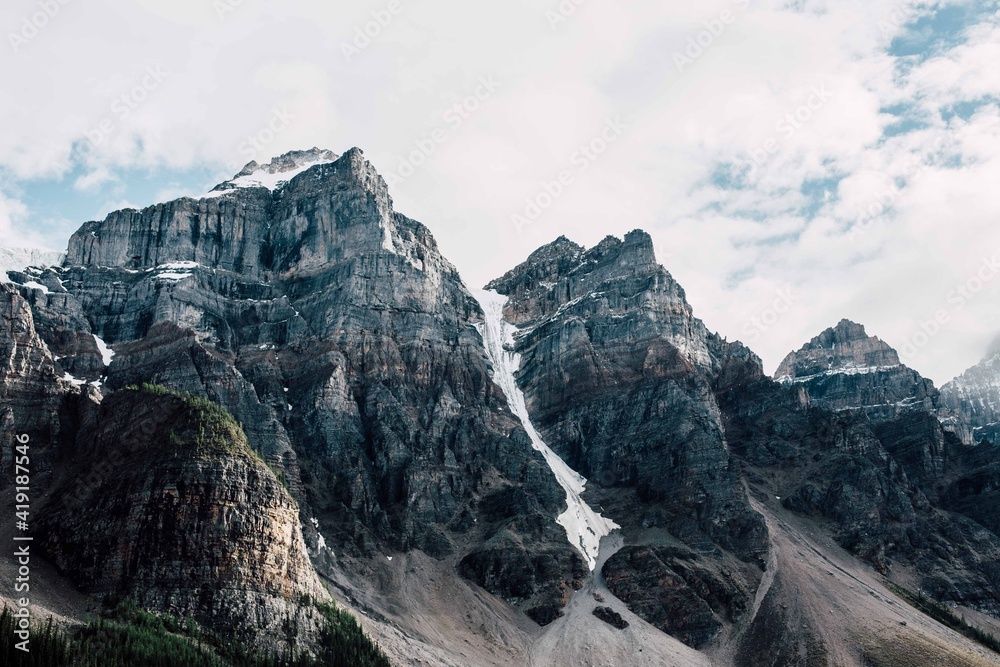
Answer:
(178, 266)
(36, 285)
(73, 380)
(262, 178)
(584, 527)
(844, 370)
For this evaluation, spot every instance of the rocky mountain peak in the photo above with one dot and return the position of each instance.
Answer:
(303, 210)
(844, 348)
(844, 368)
(290, 160)
(278, 171)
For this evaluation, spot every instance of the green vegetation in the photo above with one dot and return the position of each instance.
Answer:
(210, 430)
(49, 645)
(131, 637)
(280, 475)
(946, 616)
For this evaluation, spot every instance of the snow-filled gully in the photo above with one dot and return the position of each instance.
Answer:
(584, 527)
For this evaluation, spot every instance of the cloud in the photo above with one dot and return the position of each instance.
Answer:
(803, 145)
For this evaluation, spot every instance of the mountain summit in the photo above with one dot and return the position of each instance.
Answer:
(844, 368)
(277, 172)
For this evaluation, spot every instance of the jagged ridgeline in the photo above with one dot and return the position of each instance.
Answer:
(266, 418)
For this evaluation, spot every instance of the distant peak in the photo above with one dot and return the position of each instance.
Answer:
(848, 330)
(846, 347)
(290, 161)
(993, 351)
(277, 172)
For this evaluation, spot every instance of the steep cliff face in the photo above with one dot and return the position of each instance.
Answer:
(163, 500)
(37, 398)
(617, 374)
(844, 369)
(333, 329)
(974, 397)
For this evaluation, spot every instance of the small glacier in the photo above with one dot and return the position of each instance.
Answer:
(584, 527)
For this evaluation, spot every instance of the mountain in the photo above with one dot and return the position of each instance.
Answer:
(249, 406)
(975, 397)
(845, 369)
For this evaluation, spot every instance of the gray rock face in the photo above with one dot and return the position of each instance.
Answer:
(686, 596)
(618, 374)
(892, 491)
(974, 398)
(35, 399)
(164, 501)
(346, 348)
(846, 369)
(342, 340)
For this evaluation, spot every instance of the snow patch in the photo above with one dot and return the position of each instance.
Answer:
(107, 354)
(320, 540)
(172, 276)
(34, 285)
(73, 380)
(178, 266)
(842, 370)
(584, 527)
(264, 178)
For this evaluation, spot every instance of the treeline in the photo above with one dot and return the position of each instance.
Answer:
(944, 615)
(131, 637)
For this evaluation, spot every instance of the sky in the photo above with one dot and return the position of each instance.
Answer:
(796, 162)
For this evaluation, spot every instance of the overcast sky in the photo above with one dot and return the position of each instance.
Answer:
(796, 162)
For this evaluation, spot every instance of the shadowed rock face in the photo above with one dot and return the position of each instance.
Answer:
(893, 492)
(686, 596)
(332, 328)
(163, 501)
(845, 369)
(618, 373)
(35, 400)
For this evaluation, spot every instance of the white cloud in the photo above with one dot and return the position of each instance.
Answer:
(224, 79)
